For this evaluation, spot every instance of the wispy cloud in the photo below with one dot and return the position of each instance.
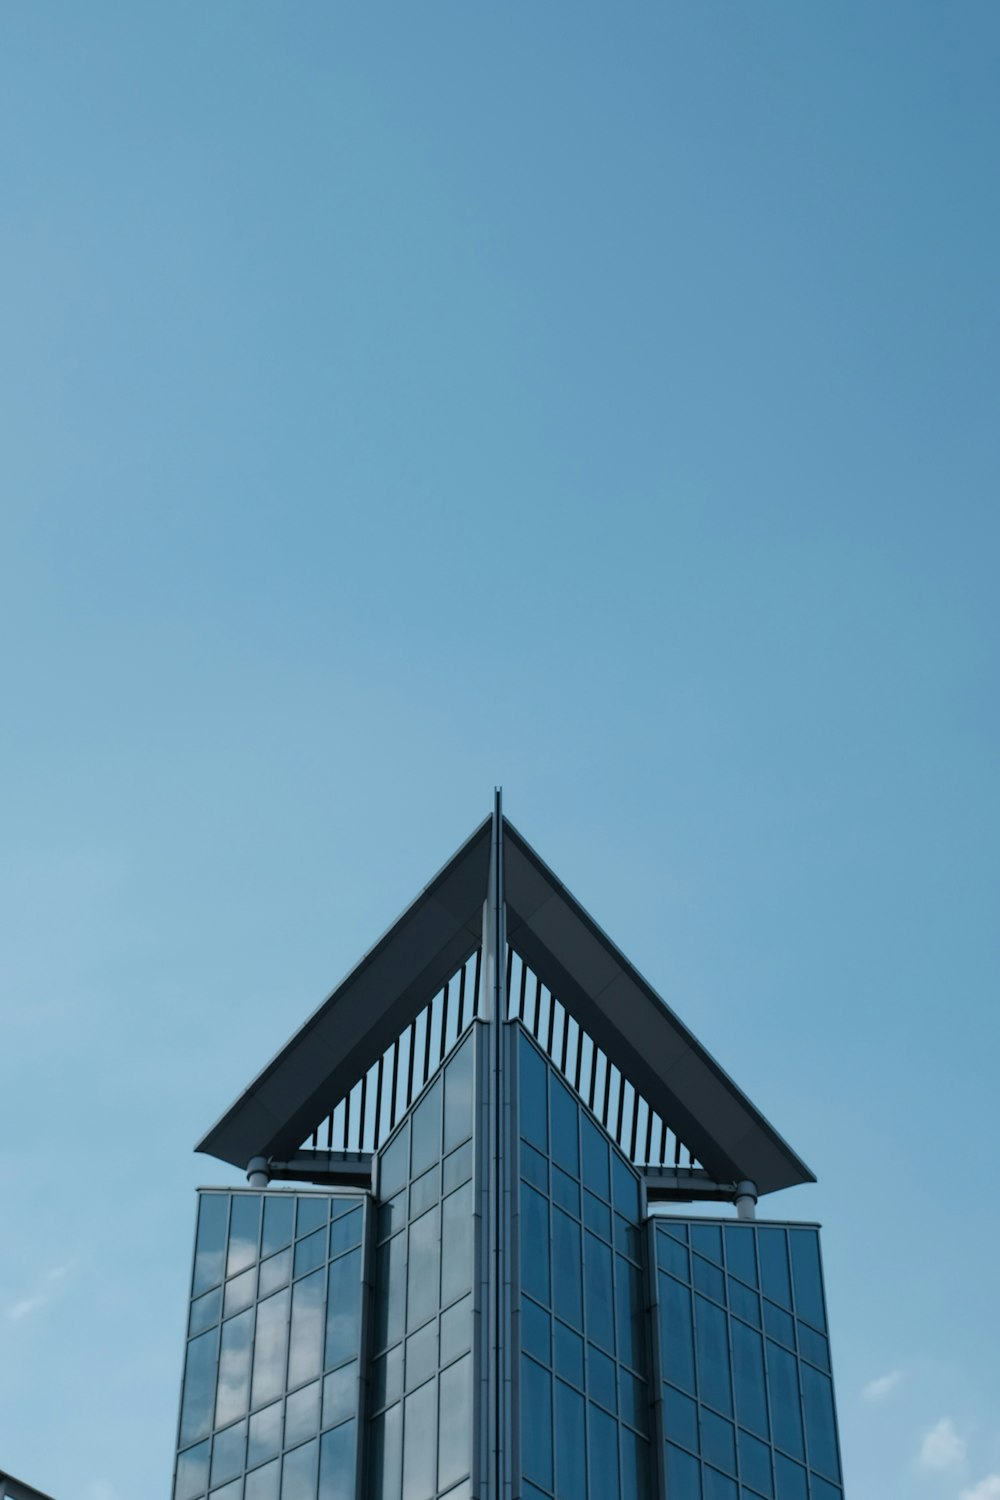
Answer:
(43, 1293)
(877, 1390)
(100, 1489)
(942, 1447)
(986, 1489)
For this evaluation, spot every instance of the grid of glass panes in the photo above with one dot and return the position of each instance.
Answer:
(582, 1319)
(422, 1325)
(270, 1402)
(748, 1405)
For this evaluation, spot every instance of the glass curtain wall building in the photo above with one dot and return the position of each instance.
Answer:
(462, 1268)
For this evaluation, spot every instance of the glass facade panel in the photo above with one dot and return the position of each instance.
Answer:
(338, 1463)
(783, 1443)
(420, 1433)
(419, 1422)
(719, 1391)
(585, 1432)
(238, 1434)
(210, 1246)
(265, 1483)
(455, 1423)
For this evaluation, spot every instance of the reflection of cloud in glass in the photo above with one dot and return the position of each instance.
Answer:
(234, 1369)
(269, 1351)
(308, 1318)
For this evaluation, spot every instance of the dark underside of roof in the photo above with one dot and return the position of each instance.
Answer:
(595, 982)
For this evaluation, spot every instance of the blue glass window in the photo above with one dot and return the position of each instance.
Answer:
(602, 1384)
(301, 1414)
(536, 1422)
(774, 1278)
(706, 1239)
(680, 1418)
(298, 1472)
(806, 1274)
(340, 1394)
(567, 1289)
(425, 1131)
(565, 1147)
(205, 1311)
(345, 1232)
(532, 1096)
(673, 1256)
(718, 1441)
(595, 1158)
(566, 1192)
(234, 1369)
(269, 1348)
(821, 1431)
(713, 1355)
(244, 1230)
(210, 1248)
(458, 1096)
(312, 1212)
(419, 1434)
(571, 1476)
(422, 1269)
(263, 1484)
(597, 1215)
(635, 1466)
(455, 1423)
(534, 1167)
(683, 1475)
(310, 1252)
(718, 1487)
(789, 1479)
(814, 1347)
(598, 1292)
(633, 1399)
(631, 1313)
(779, 1325)
(744, 1303)
(748, 1369)
(305, 1349)
(192, 1473)
(278, 1210)
(786, 1414)
(265, 1435)
(709, 1279)
(603, 1432)
(535, 1244)
(741, 1256)
(387, 1454)
(676, 1333)
(755, 1464)
(457, 1230)
(569, 1354)
(394, 1161)
(337, 1463)
(228, 1453)
(626, 1186)
(535, 1325)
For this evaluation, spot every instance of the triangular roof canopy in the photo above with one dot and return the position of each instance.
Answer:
(560, 942)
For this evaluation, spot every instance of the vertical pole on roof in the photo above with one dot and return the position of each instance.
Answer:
(494, 1192)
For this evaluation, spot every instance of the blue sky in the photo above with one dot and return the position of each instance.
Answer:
(398, 400)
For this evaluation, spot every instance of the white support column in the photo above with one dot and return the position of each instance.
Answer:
(746, 1199)
(257, 1174)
